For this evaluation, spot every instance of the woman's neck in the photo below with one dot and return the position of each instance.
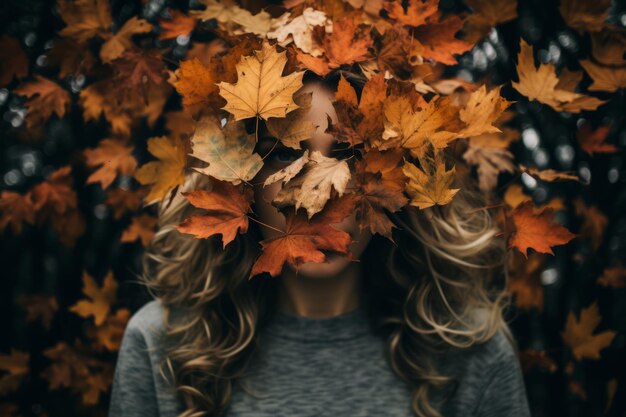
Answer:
(320, 297)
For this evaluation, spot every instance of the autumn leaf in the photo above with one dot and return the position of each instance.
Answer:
(347, 43)
(538, 231)
(296, 126)
(123, 201)
(141, 227)
(179, 25)
(418, 12)
(15, 209)
(261, 90)
(594, 222)
(99, 299)
(227, 207)
(195, 82)
(304, 240)
(299, 30)
(229, 151)
(417, 127)
(531, 358)
(44, 98)
(481, 111)
(542, 84)
(549, 175)
(13, 60)
(166, 173)
(605, 78)
(85, 19)
(39, 307)
(109, 334)
(593, 141)
(440, 41)
(613, 277)
(115, 46)
(486, 15)
(578, 333)
(111, 157)
(525, 280)
(431, 185)
(585, 15)
(311, 185)
(15, 369)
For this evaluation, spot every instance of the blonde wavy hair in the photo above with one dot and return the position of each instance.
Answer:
(441, 286)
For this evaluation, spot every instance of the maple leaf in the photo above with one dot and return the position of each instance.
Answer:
(593, 141)
(114, 47)
(584, 15)
(578, 333)
(261, 90)
(432, 185)
(13, 60)
(166, 173)
(605, 78)
(109, 334)
(16, 367)
(179, 25)
(309, 185)
(39, 307)
(141, 227)
(100, 298)
(487, 14)
(347, 44)
(44, 98)
(228, 151)
(15, 209)
(195, 82)
(538, 231)
(111, 157)
(594, 222)
(491, 162)
(613, 277)
(440, 42)
(525, 280)
(296, 126)
(481, 111)
(417, 128)
(236, 20)
(123, 201)
(542, 84)
(85, 19)
(418, 12)
(304, 239)
(135, 72)
(227, 207)
(531, 358)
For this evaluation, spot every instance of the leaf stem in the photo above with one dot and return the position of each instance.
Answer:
(267, 225)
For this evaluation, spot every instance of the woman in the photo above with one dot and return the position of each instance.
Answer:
(404, 328)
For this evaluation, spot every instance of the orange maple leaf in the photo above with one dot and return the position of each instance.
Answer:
(45, 97)
(15, 209)
(417, 13)
(304, 240)
(227, 209)
(440, 41)
(578, 334)
(142, 227)
(111, 157)
(179, 25)
(593, 141)
(538, 231)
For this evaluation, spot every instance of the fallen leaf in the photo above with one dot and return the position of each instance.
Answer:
(15, 209)
(44, 98)
(584, 15)
(179, 25)
(39, 307)
(593, 141)
(111, 157)
(431, 184)
(141, 227)
(613, 277)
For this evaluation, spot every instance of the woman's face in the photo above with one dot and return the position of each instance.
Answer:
(281, 157)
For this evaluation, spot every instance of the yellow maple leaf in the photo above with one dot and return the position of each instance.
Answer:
(261, 90)
(416, 129)
(111, 157)
(578, 334)
(543, 85)
(100, 299)
(166, 173)
(433, 187)
(482, 110)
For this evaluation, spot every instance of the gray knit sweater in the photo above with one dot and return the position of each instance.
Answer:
(319, 367)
